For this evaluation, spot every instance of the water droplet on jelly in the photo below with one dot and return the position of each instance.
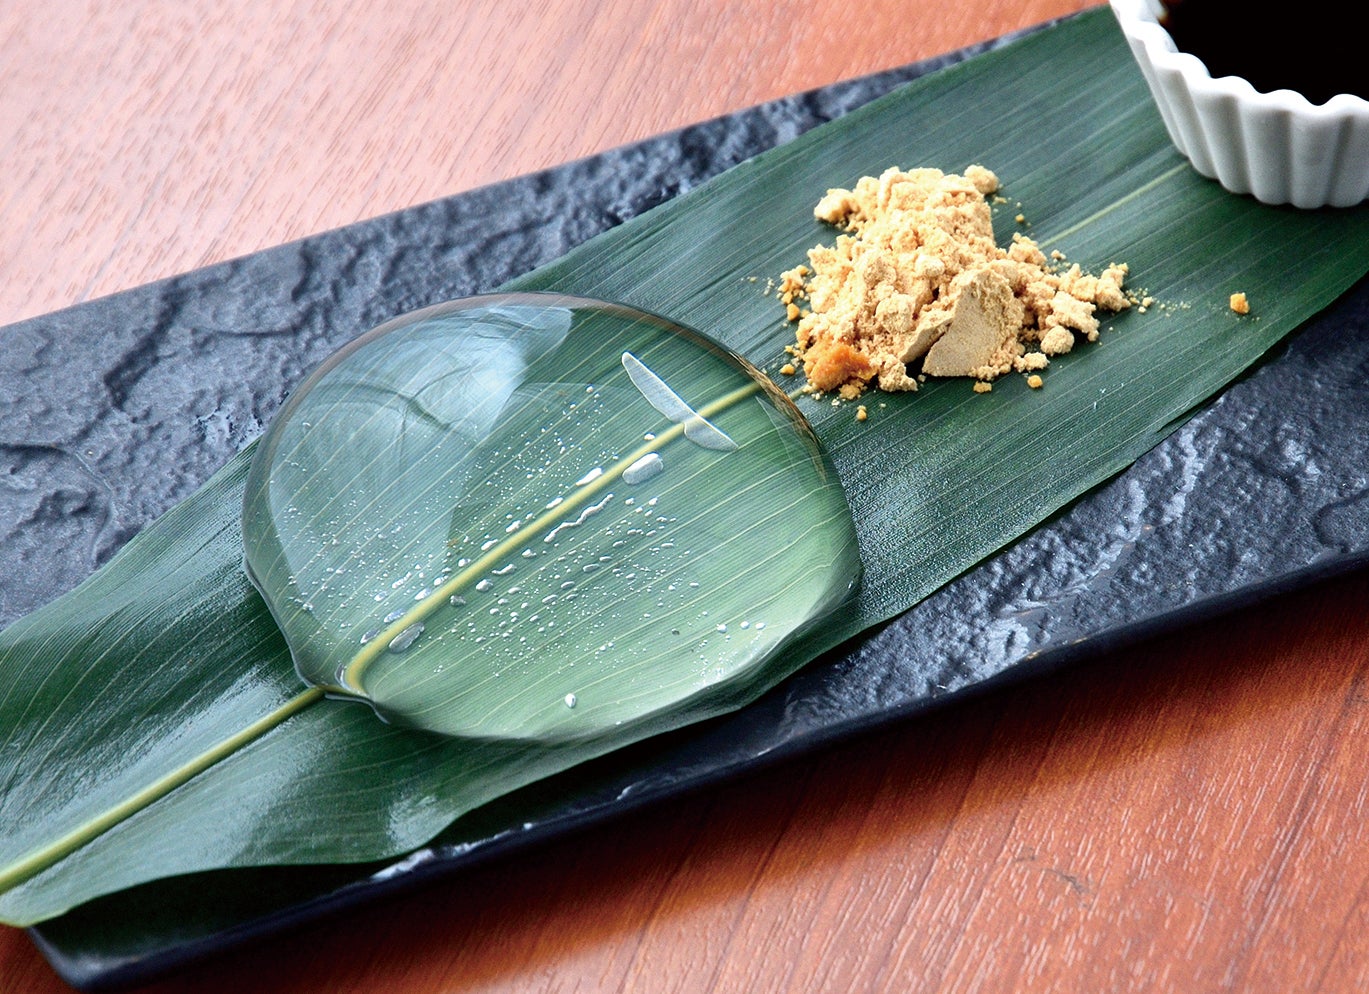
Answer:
(643, 469)
(406, 638)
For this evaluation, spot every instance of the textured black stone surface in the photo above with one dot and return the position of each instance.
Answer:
(111, 411)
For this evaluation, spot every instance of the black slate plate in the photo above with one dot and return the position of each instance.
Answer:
(1265, 490)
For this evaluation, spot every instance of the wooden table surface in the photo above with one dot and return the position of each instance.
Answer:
(1188, 815)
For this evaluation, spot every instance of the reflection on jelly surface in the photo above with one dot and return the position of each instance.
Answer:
(528, 516)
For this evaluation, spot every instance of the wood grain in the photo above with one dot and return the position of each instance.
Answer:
(1187, 815)
(141, 139)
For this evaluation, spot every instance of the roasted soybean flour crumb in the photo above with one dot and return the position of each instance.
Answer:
(916, 286)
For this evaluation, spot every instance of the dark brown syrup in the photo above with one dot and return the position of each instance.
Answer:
(1316, 49)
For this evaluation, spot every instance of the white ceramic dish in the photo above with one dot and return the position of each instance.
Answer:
(1278, 146)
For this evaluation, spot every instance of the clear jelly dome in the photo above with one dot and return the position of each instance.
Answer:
(527, 516)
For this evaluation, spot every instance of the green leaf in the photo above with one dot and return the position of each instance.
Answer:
(168, 652)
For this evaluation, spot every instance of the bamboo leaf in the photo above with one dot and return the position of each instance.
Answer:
(169, 652)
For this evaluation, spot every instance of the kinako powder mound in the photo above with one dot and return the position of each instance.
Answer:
(916, 286)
